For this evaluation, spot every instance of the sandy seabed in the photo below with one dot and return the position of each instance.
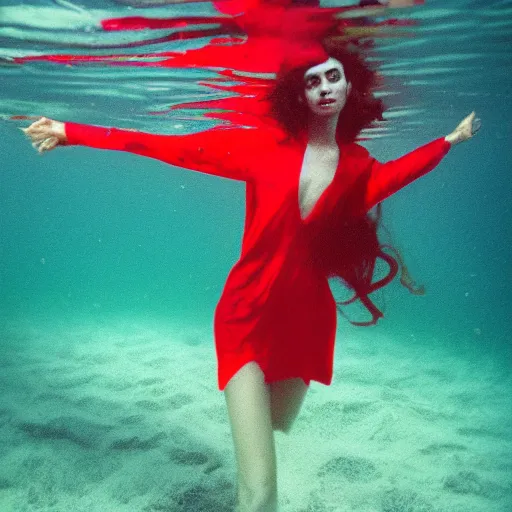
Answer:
(126, 416)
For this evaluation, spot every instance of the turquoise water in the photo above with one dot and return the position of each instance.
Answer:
(97, 237)
(118, 233)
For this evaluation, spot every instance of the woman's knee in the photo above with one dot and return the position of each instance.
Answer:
(248, 401)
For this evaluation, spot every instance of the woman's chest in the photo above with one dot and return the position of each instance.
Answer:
(301, 185)
(316, 174)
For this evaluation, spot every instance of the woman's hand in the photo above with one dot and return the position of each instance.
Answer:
(465, 130)
(46, 134)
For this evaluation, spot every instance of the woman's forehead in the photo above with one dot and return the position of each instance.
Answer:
(330, 63)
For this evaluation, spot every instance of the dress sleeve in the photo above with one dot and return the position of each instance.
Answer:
(226, 152)
(387, 178)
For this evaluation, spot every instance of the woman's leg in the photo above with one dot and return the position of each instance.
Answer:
(248, 401)
(286, 398)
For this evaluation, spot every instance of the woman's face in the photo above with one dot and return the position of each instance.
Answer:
(326, 88)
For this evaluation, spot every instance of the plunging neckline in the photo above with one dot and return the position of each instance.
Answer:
(305, 218)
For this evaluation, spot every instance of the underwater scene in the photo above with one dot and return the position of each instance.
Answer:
(112, 264)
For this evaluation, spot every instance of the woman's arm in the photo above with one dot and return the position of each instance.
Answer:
(222, 152)
(386, 179)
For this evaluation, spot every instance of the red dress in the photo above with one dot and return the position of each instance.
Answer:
(276, 308)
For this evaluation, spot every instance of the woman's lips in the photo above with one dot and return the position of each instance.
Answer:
(326, 102)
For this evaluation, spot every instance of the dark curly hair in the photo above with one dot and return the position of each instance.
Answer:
(361, 110)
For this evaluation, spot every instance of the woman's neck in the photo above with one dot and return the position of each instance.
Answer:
(322, 130)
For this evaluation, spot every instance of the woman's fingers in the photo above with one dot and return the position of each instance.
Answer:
(37, 136)
(471, 124)
(51, 143)
(476, 124)
(46, 144)
(465, 129)
(44, 121)
(38, 127)
(40, 134)
(466, 122)
(45, 134)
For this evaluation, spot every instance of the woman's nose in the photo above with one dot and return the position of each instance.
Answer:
(325, 87)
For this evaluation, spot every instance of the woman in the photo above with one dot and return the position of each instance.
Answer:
(309, 190)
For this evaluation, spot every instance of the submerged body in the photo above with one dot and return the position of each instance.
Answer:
(277, 308)
(309, 190)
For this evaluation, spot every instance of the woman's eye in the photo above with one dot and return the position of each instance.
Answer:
(312, 82)
(334, 75)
